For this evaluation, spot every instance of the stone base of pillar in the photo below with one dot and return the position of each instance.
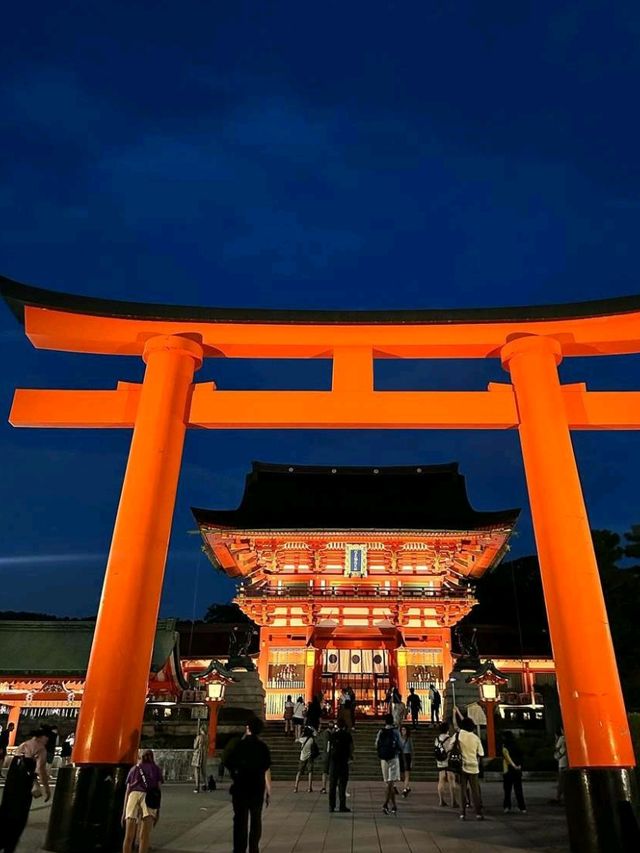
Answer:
(603, 809)
(86, 812)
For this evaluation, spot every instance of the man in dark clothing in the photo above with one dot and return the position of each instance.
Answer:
(415, 706)
(436, 702)
(249, 764)
(340, 754)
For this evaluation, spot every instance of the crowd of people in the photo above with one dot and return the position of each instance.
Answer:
(324, 745)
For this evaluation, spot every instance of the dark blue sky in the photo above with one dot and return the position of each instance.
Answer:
(361, 155)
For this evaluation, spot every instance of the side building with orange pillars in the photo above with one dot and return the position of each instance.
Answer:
(355, 576)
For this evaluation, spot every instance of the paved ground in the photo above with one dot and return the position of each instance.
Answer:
(300, 823)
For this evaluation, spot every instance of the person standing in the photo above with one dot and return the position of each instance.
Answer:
(446, 778)
(388, 748)
(436, 702)
(29, 762)
(288, 716)
(249, 764)
(199, 759)
(471, 749)
(406, 758)
(308, 754)
(52, 743)
(414, 704)
(4, 744)
(398, 710)
(560, 755)
(66, 749)
(340, 754)
(298, 717)
(314, 714)
(141, 802)
(512, 772)
(322, 741)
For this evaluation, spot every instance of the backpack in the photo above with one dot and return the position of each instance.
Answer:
(455, 756)
(439, 750)
(386, 745)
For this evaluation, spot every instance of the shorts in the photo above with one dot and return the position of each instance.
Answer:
(390, 769)
(405, 761)
(137, 807)
(297, 721)
(305, 766)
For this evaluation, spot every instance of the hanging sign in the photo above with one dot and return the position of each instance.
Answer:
(355, 562)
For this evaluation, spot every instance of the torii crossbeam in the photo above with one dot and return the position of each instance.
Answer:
(530, 342)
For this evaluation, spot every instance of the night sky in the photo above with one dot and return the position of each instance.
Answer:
(328, 155)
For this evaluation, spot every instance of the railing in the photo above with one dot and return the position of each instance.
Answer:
(305, 591)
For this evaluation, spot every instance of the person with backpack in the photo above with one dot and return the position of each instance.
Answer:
(340, 754)
(388, 747)
(512, 772)
(308, 755)
(436, 702)
(288, 716)
(446, 777)
(465, 750)
(414, 704)
(142, 801)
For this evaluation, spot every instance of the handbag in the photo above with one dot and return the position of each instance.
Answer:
(153, 796)
(36, 790)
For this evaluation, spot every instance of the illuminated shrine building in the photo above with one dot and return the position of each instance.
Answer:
(355, 576)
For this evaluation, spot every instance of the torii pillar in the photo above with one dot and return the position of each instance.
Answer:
(89, 796)
(600, 784)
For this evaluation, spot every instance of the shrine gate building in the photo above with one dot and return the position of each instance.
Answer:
(355, 575)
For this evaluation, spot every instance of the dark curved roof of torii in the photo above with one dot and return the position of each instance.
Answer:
(18, 296)
(287, 497)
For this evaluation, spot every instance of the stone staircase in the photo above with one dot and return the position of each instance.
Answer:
(366, 766)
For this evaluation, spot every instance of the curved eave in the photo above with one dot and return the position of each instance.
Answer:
(598, 327)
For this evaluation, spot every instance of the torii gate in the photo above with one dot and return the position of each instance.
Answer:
(601, 792)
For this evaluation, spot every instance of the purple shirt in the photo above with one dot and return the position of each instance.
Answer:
(152, 773)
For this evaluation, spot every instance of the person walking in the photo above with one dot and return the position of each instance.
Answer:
(199, 759)
(340, 754)
(298, 717)
(471, 749)
(435, 701)
(27, 771)
(388, 748)
(141, 802)
(308, 755)
(249, 764)
(288, 715)
(414, 704)
(512, 772)
(406, 758)
(4, 744)
(446, 778)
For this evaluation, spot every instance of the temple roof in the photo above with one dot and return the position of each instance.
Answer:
(61, 648)
(18, 296)
(297, 497)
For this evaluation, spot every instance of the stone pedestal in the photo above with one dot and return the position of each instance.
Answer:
(465, 694)
(244, 698)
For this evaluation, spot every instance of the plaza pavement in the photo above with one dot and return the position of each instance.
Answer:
(301, 823)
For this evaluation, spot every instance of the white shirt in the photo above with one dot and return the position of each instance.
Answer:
(298, 710)
(471, 749)
(307, 743)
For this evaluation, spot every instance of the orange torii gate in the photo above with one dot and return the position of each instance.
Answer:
(601, 788)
